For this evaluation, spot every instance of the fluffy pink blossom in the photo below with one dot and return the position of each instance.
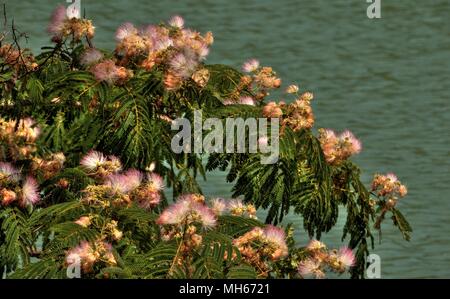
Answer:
(346, 257)
(30, 192)
(176, 21)
(91, 56)
(246, 100)
(276, 236)
(188, 210)
(106, 71)
(125, 30)
(156, 180)
(124, 183)
(183, 65)
(354, 144)
(58, 18)
(93, 160)
(250, 66)
(8, 171)
(219, 206)
(310, 267)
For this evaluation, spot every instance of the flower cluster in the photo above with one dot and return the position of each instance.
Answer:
(320, 258)
(86, 255)
(16, 188)
(119, 187)
(17, 59)
(177, 50)
(260, 244)
(49, 166)
(298, 115)
(389, 187)
(106, 70)
(189, 209)
(257, 83)
(68, 23)
(19, 138)
(338, 148)
(235, 207)
(100, 166)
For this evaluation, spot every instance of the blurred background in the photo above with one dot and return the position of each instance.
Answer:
(387, 80)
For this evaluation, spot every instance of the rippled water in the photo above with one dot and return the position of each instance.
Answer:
(388, 80)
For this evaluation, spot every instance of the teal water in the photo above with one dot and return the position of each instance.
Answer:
(387, 80)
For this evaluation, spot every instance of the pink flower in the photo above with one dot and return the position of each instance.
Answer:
(310, 267)
(292, 89)
(93, 160)
(354, 144)
(246, 100)
(218, 206)
(346, 257)
(315, 245)
(124, 183)
(106, 71)
(84, 221)
(207, 216)
(176, 21)
(276, 236)
(58, 18)
(187, 210)
(391, 177)
(8, 171)
(125, 30)
(176, 213)
(250, 66)
(30, 192)
(91, 56)
(156, 180)
(183, 65)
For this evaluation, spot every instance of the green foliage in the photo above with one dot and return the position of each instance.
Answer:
(132, 120)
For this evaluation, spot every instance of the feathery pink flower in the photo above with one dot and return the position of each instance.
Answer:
(125, 30)
(124, 183)
(176, 21)
(355, 145)
(250, 66)
(183, 65)
(315, 245)
(310, 267)
(91, 56)
(246, 100)
(207, 216)
(156, 180)
(83, 221)
(219, 206)
(392, 177)
(346, 257)
(176, 213)
(8, 171)
(106, 71)
(186, 209)
(92, 160)
(58, 18)
(276, 236)
(30, 192)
